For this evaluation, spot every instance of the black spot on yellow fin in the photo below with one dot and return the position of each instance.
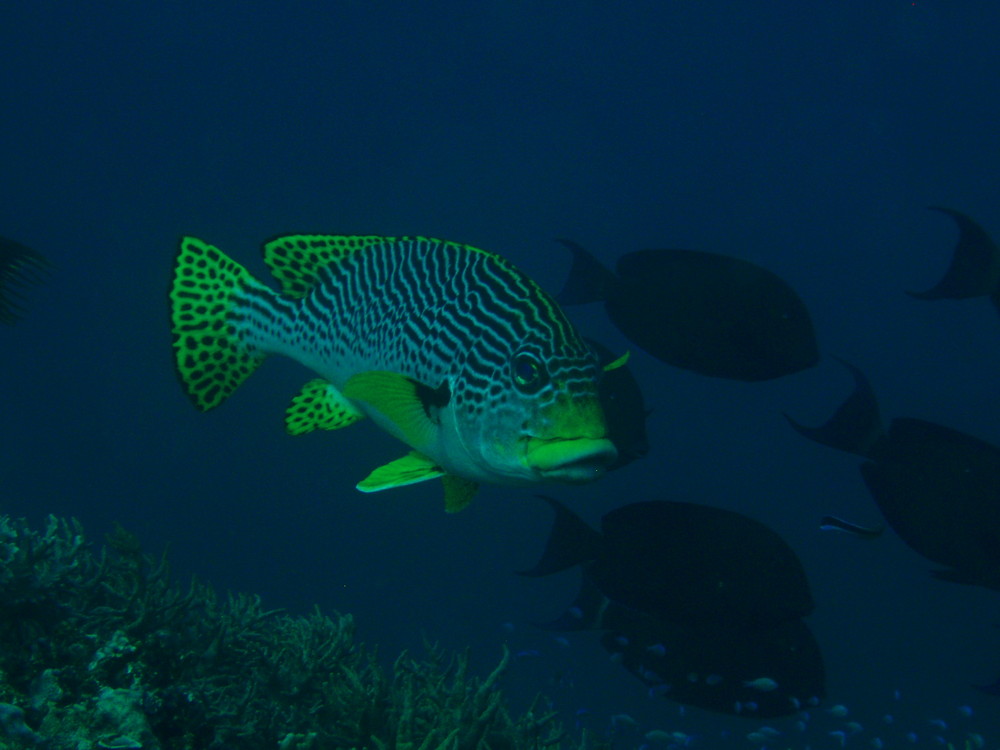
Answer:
(458, 492)
(298, 260)
(320, 406)
(412, 468)
(399, 399)
(207, 285)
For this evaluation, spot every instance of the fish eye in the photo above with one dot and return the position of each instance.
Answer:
(529, 375)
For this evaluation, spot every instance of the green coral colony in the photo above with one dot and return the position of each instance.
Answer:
(103, 650)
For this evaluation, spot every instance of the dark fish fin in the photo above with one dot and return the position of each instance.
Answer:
(975, 264)
(624, 410)
(992, 689)
(839, 524)
(856, 426)
(995, 299)
(954, 575)
(19, 265)
(585, 613)
(571, 542)
(588, 281)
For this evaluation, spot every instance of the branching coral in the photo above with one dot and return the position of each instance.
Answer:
(106, 651)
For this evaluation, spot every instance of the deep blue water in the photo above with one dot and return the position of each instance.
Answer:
(807, 137)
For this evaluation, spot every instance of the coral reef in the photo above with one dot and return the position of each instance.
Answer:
(103, 650)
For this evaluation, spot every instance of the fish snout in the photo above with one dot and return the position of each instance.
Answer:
(572, 460)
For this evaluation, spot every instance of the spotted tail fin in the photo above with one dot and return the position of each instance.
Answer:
(206, 295)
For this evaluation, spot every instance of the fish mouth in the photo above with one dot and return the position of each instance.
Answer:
(571, 459)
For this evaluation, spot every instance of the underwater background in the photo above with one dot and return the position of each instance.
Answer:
(807, 137)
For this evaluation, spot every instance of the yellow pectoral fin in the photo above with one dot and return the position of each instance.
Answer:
(397, 398)
(320, 406)
(412, 468)
(458, 492)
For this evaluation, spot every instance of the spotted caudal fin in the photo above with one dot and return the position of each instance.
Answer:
(589, 280)
(856, 426)
(206, 296)
(19, 267)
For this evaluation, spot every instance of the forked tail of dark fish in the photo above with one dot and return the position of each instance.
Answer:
(975, 264)
(588, 281)
(856, 426)
(19, 266)
(571, 542)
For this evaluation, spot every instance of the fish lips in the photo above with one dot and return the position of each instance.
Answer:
(572, 460)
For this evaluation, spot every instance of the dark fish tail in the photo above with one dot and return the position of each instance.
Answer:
(975, 263)
(589, 280)
(571, 542)
(19, 266)
(856, 426)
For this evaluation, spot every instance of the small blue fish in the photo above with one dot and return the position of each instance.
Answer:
(623, 720)
(764, 684)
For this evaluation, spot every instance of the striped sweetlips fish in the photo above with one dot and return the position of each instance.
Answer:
(449, 348)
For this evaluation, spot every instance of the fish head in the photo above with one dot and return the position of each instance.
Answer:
(540, 418)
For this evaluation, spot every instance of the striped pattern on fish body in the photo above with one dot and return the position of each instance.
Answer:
(447, 347)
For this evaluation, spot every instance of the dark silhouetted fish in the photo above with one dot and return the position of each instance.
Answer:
(625, 411)
(19, 265)
(757, 673)
(975, 264)
(700, 599)
(709, 313)
(937, 488)
(683, 563)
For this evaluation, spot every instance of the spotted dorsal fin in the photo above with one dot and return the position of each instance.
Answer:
(298, 260)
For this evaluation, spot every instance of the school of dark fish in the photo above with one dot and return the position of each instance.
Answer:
(705, 606)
